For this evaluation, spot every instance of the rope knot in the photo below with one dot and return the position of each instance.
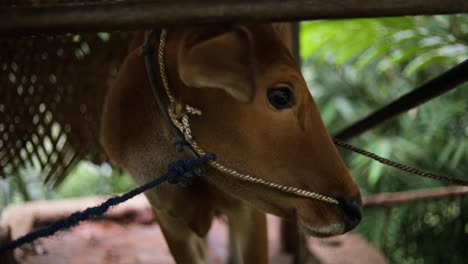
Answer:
(183, 170)
(177, 110)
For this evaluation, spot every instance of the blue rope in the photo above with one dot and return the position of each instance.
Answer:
(179, 172)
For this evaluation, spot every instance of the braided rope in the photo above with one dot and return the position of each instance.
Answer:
(162, 66)
(179, 115)
(400, 166)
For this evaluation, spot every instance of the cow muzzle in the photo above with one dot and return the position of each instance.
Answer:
(351, 210)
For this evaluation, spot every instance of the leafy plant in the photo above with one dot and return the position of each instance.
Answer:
(353, 67)
(86, 179)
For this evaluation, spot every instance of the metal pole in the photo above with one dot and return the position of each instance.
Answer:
(448, 81)
(144, 15)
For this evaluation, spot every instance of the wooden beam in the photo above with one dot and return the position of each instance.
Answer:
(144, 15)
(392, 199)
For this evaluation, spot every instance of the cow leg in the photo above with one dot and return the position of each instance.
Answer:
(248, 237)
(185, 245)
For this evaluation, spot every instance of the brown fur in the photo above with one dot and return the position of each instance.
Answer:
(207, 69)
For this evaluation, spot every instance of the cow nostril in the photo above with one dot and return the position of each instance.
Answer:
(351, 211)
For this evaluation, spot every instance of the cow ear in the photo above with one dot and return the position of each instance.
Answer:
(224, 61)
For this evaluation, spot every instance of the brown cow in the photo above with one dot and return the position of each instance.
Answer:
(258, 117)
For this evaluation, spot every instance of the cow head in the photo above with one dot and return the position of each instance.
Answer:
(259, 118)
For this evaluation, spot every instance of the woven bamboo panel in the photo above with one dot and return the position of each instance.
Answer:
(51, 93)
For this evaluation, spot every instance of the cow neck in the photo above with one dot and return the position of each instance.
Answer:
(178, 116)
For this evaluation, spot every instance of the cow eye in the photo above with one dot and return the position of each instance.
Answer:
(281, 96)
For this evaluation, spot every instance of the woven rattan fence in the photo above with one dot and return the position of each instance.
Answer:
(51, 93)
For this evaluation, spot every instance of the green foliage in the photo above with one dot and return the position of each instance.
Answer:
(89, 179)
(86, 179)
(353, 67)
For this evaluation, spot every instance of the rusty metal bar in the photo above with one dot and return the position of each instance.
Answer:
(143, 15)
(445, 82)
(392, 199)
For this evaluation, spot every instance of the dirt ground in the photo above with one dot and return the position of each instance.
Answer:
(132, 237)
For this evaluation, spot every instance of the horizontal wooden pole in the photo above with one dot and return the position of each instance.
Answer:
(392, 199)
(144, 15)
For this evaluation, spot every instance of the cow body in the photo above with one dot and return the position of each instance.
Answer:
(229, 74)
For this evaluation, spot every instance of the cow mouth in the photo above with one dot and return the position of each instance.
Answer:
(291, 214)
(322, 231)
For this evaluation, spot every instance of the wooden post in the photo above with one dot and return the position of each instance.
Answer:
(5, 237)
(293, 241)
